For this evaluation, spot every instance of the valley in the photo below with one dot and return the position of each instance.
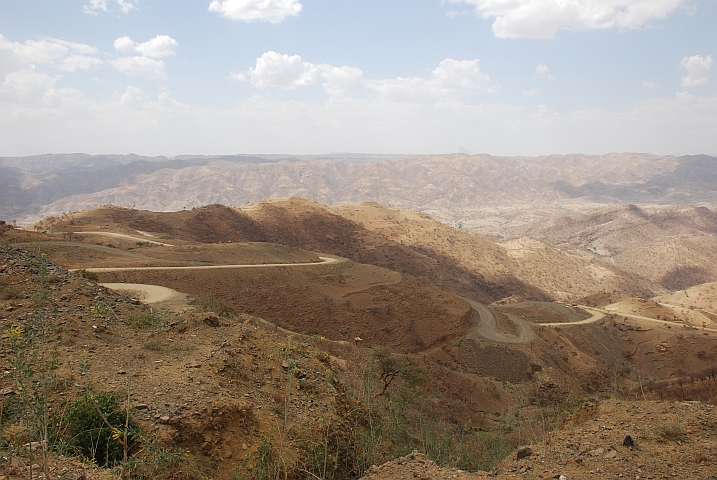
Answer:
(486, 337)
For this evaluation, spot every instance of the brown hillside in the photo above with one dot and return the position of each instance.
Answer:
(673, 247)
(562, 275)
(310, 226)
(389, 237)
(472, 386)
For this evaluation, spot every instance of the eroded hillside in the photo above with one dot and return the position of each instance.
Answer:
(674, 248)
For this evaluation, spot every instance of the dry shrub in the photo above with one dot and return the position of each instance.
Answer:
(16, 434)
(672, 432)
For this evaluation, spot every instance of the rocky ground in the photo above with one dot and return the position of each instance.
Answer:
(670, 440)
(209, 386)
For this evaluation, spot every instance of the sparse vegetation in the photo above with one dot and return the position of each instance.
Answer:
(95, 426)
(145, 320)
(212, 305)
(88, 275)
(9, 292)
(672, 432)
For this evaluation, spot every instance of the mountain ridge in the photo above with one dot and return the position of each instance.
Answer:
(481, 193)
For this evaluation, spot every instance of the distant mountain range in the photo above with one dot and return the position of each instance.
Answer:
(483, 193)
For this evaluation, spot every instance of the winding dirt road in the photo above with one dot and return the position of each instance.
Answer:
(324, 261)
(596, 315)
(487, 328)
(152, 294)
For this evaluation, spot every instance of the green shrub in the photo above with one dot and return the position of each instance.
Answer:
(145, 320)
(211, 304)
(153, 345)
(88, 431)
(262, 465)
(9, 292)
(88, 275)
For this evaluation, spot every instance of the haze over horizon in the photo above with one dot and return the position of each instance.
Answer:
(526, 77)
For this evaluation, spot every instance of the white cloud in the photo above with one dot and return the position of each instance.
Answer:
(26, 86)
(140, 66)
(341, 82)
(95, 6)
(134, 98)
(543, 18)
(77, 62)
(9, 60)
(543, 71)
(531, 92)
(283, 71)
(273, 11)
(32, 90)
(451, 80)
(649, 84)
(698, 70)
(460, 75)
(291, 72)
(66, 56)
(159, 46)
(126, 6)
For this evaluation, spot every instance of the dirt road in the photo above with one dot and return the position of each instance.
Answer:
(146, 293)
(596, 315)
(324, 261)
(487, 329)
(654, 320)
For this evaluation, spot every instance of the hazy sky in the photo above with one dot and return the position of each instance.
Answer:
(505, 77)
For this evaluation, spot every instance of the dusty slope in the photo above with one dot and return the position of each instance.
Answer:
(563, 276)
(217, 386)
(390, 237)
(672, 440)
(311, 226)
(340, 301)
(675, 247)
(701, 299)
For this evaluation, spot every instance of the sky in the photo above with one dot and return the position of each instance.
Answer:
(503, 77)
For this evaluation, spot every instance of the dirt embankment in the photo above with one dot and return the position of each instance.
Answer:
(666, 440)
